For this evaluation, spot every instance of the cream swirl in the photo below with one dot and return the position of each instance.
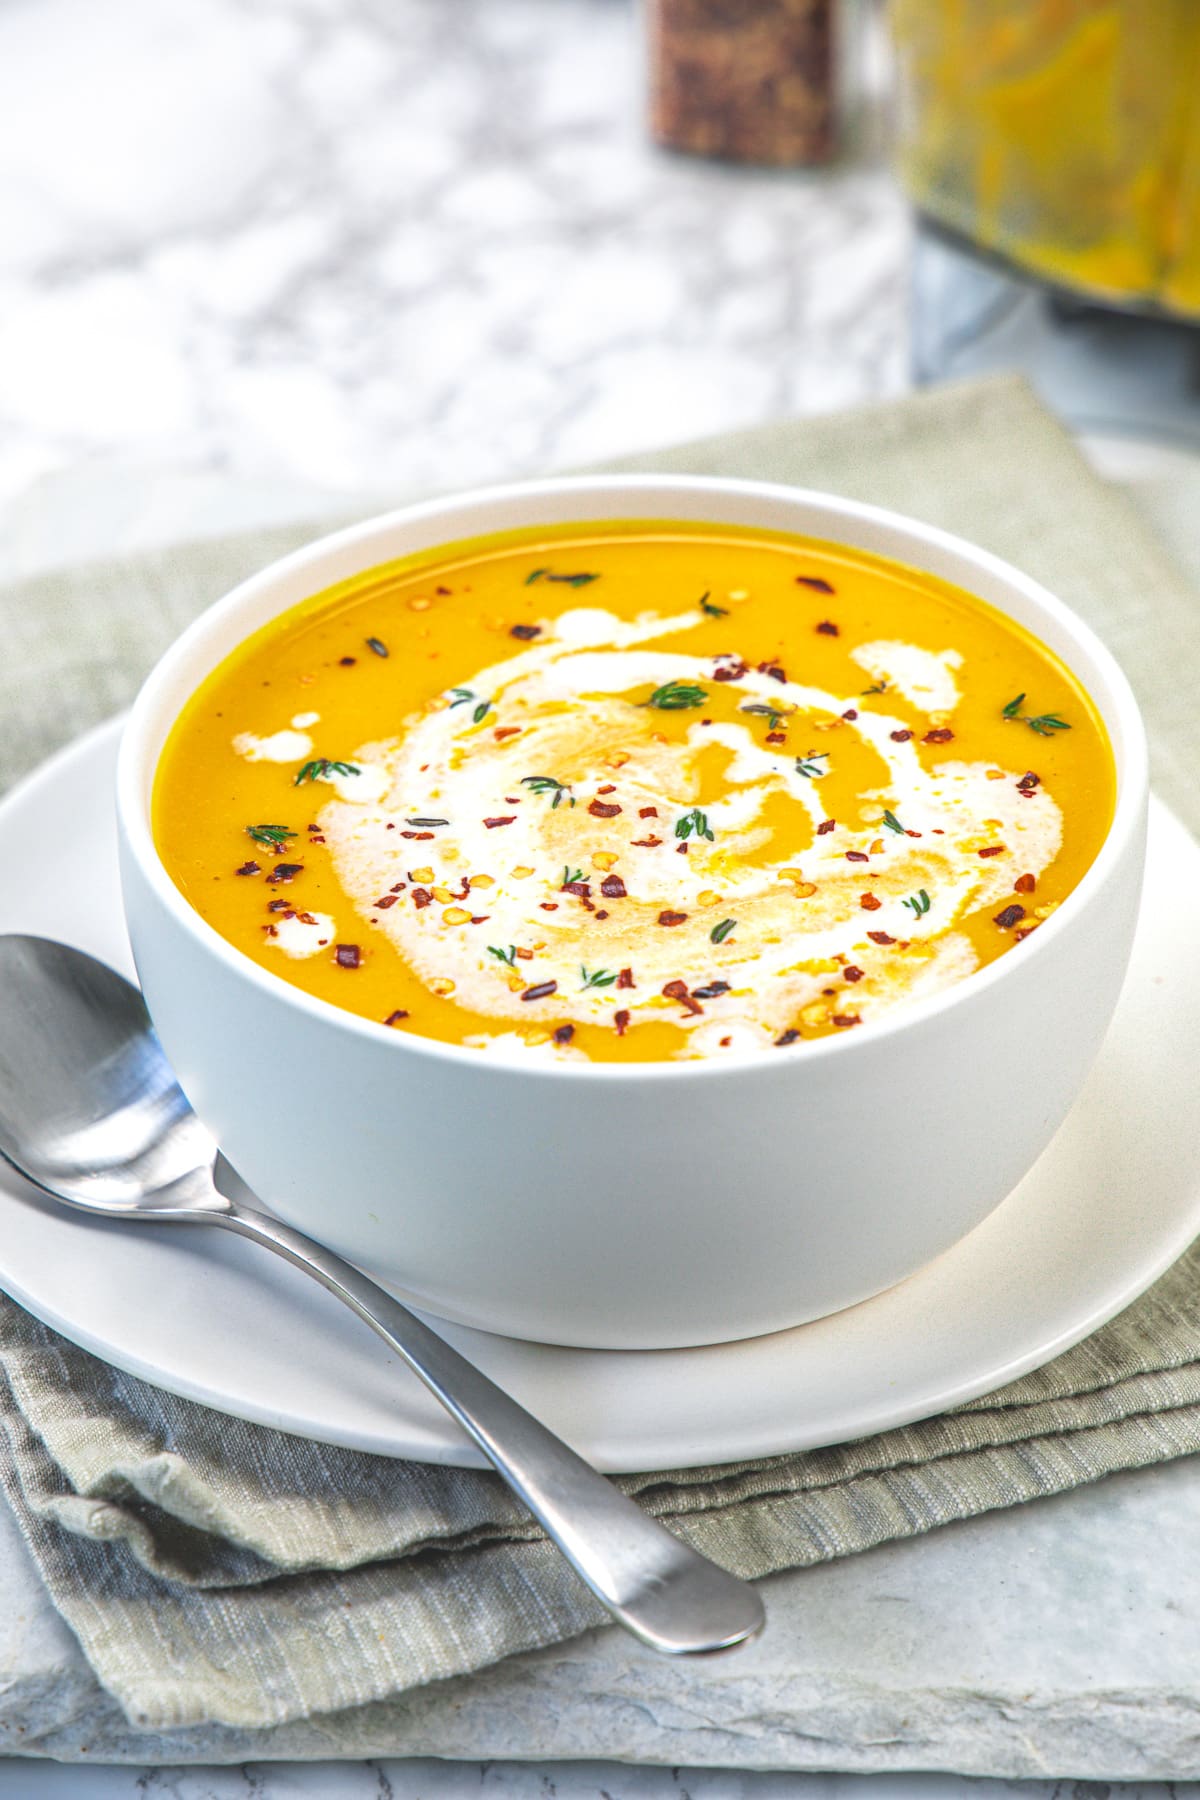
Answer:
(565, 802)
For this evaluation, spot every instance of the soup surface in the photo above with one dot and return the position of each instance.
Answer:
(633, 791)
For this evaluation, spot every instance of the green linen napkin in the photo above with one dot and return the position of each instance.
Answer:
(216, 1571)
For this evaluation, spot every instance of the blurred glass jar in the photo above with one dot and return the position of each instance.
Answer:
(1061, 134)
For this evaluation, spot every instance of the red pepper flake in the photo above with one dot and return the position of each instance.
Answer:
(248, 868)
(601, 913)
(773, 670)
(942, 735)
(712, 991)
(444, 591)
(542, 991)
(307, 918)
(316, 839)
(548, 905)
(730, 671)
(1023, 931)
(677, 990)
(776, 737)
(348, 956)
(880, 937)
(607, 789)
(394, 1018)
(852, 972)
(844, 1019)
(526, 633)
(816, 582)
(899, 737)
(672, 918)
(386, 901)
(284, 872)
(857, 856)
(1028, 782)
(581, 888)
(613, 888)
(994, 850)
(681, 849)
(421, 897)
(417, 836)
(621, 1021)
(647, 812)
(347, 662)
(850, 713)
(493, 823)
(869, 903)
(480, 918)
(1024, 884)
(599, 809)
(650, 843)
(825, 826)
(1009, 916)
(278, 906)
(505, 731)
(564, 1034)
(625, 979)
(786, 1037)
(827, 628)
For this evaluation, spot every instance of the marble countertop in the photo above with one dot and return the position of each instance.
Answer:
(261, 256)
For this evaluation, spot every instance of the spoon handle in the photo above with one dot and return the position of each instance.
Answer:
(661, 1590)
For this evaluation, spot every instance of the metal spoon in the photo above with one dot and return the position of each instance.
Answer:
(91, 1112)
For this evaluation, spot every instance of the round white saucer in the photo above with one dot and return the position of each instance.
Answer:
(1111, 1204)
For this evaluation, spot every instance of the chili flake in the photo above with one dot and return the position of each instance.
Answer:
(940, 735)
(564, 1033)
(493, 823)
(817, 582)
(826, 825)
(284, 872)
(786, 1037)
(421, 897)
(248, 868)
(525, 632)
(1024, 884)
(600, 809)
(625, 978)
(394, 1018)
(672, 918)
(613, 888)
(1009, 916)
(844, 1019)
(827, 628)
(677, 990)
(348, 956)
(900, 737)
(880, 937)
(541, 992)
(869, 903)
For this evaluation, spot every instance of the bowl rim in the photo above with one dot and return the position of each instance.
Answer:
(136, 765)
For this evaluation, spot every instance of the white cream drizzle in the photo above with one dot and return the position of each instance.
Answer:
(571, 696)
(280, 747)
(301, 935)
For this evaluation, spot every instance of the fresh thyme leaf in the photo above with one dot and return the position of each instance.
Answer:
(461, 696)
(321, 768)
(481, 711)
(274, 837)
(676, 696)
(1045, 724)
(772, 714)
(807, 765)
(696, 821)
(508, 956)
(599, 978)
(714, 612)
(919, 903)
(880, 687)
(426, 821)
(575, 581)
(549, 784)
(893, 823)
(571, 875)
(720, 932)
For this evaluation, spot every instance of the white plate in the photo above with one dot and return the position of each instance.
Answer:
(1111, 1204)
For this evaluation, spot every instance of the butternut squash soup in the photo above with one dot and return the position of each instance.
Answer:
(633, 791)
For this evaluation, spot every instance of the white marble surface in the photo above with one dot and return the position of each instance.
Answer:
(260, 255)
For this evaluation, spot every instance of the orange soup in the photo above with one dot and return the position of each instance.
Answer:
(633, 791)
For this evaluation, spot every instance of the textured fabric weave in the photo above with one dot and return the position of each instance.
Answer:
(219, 1571)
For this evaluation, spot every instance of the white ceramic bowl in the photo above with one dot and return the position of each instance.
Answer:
(656, 1204)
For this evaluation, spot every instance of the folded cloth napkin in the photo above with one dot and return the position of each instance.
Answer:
(219, 1571)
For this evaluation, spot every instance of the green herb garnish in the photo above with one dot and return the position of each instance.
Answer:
(571, 876)
(464, 696)
(508, 956)
(377, 645)
(676, 696)
(880, 687)
(575, 581)
(599, 978)
(773, 715)
(426, 821)
(714, 612)
(919, 903)
(807, 765)
(549, 784)
(720, 932)
(893, 823)
(320, 769)
(1045, 724)
(273, 837)
(696, 821)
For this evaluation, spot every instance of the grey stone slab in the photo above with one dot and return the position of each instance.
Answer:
(1056, 1639)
